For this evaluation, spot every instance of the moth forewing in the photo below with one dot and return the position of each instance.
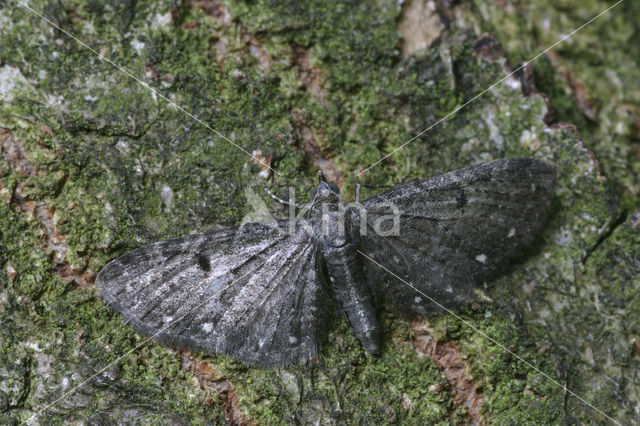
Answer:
(380, 224)
(457, 229)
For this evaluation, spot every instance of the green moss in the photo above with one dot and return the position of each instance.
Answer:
(117, 152)
(347, 385)
(512, 390)
(600, 62)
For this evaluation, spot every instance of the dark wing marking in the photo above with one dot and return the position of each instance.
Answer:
(252, 292)
(456, 229)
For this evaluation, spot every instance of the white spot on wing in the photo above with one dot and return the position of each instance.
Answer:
(207, 327)
(292, 340)
(511, 233)
(482, 258)
(417, 299)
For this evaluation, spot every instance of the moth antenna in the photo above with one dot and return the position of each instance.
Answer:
(281, 201)
(357, 192)
(371, 186)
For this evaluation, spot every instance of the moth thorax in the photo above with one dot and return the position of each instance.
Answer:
(332, 226)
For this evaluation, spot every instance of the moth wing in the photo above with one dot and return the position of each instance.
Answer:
(455, 230)
(253, 292)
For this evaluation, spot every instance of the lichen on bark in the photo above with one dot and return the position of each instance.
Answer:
(93, 164)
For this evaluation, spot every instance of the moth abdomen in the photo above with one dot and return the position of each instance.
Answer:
(352, 294)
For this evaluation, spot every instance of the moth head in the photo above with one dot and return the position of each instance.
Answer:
(326, 192)
(326, 189)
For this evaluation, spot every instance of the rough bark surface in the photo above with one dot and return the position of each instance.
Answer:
(93, 164)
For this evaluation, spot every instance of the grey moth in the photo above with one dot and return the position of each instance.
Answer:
(262, 292)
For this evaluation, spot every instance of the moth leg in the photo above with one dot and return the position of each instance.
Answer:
(373, 186)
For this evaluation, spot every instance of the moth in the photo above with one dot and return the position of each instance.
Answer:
(262, 292)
